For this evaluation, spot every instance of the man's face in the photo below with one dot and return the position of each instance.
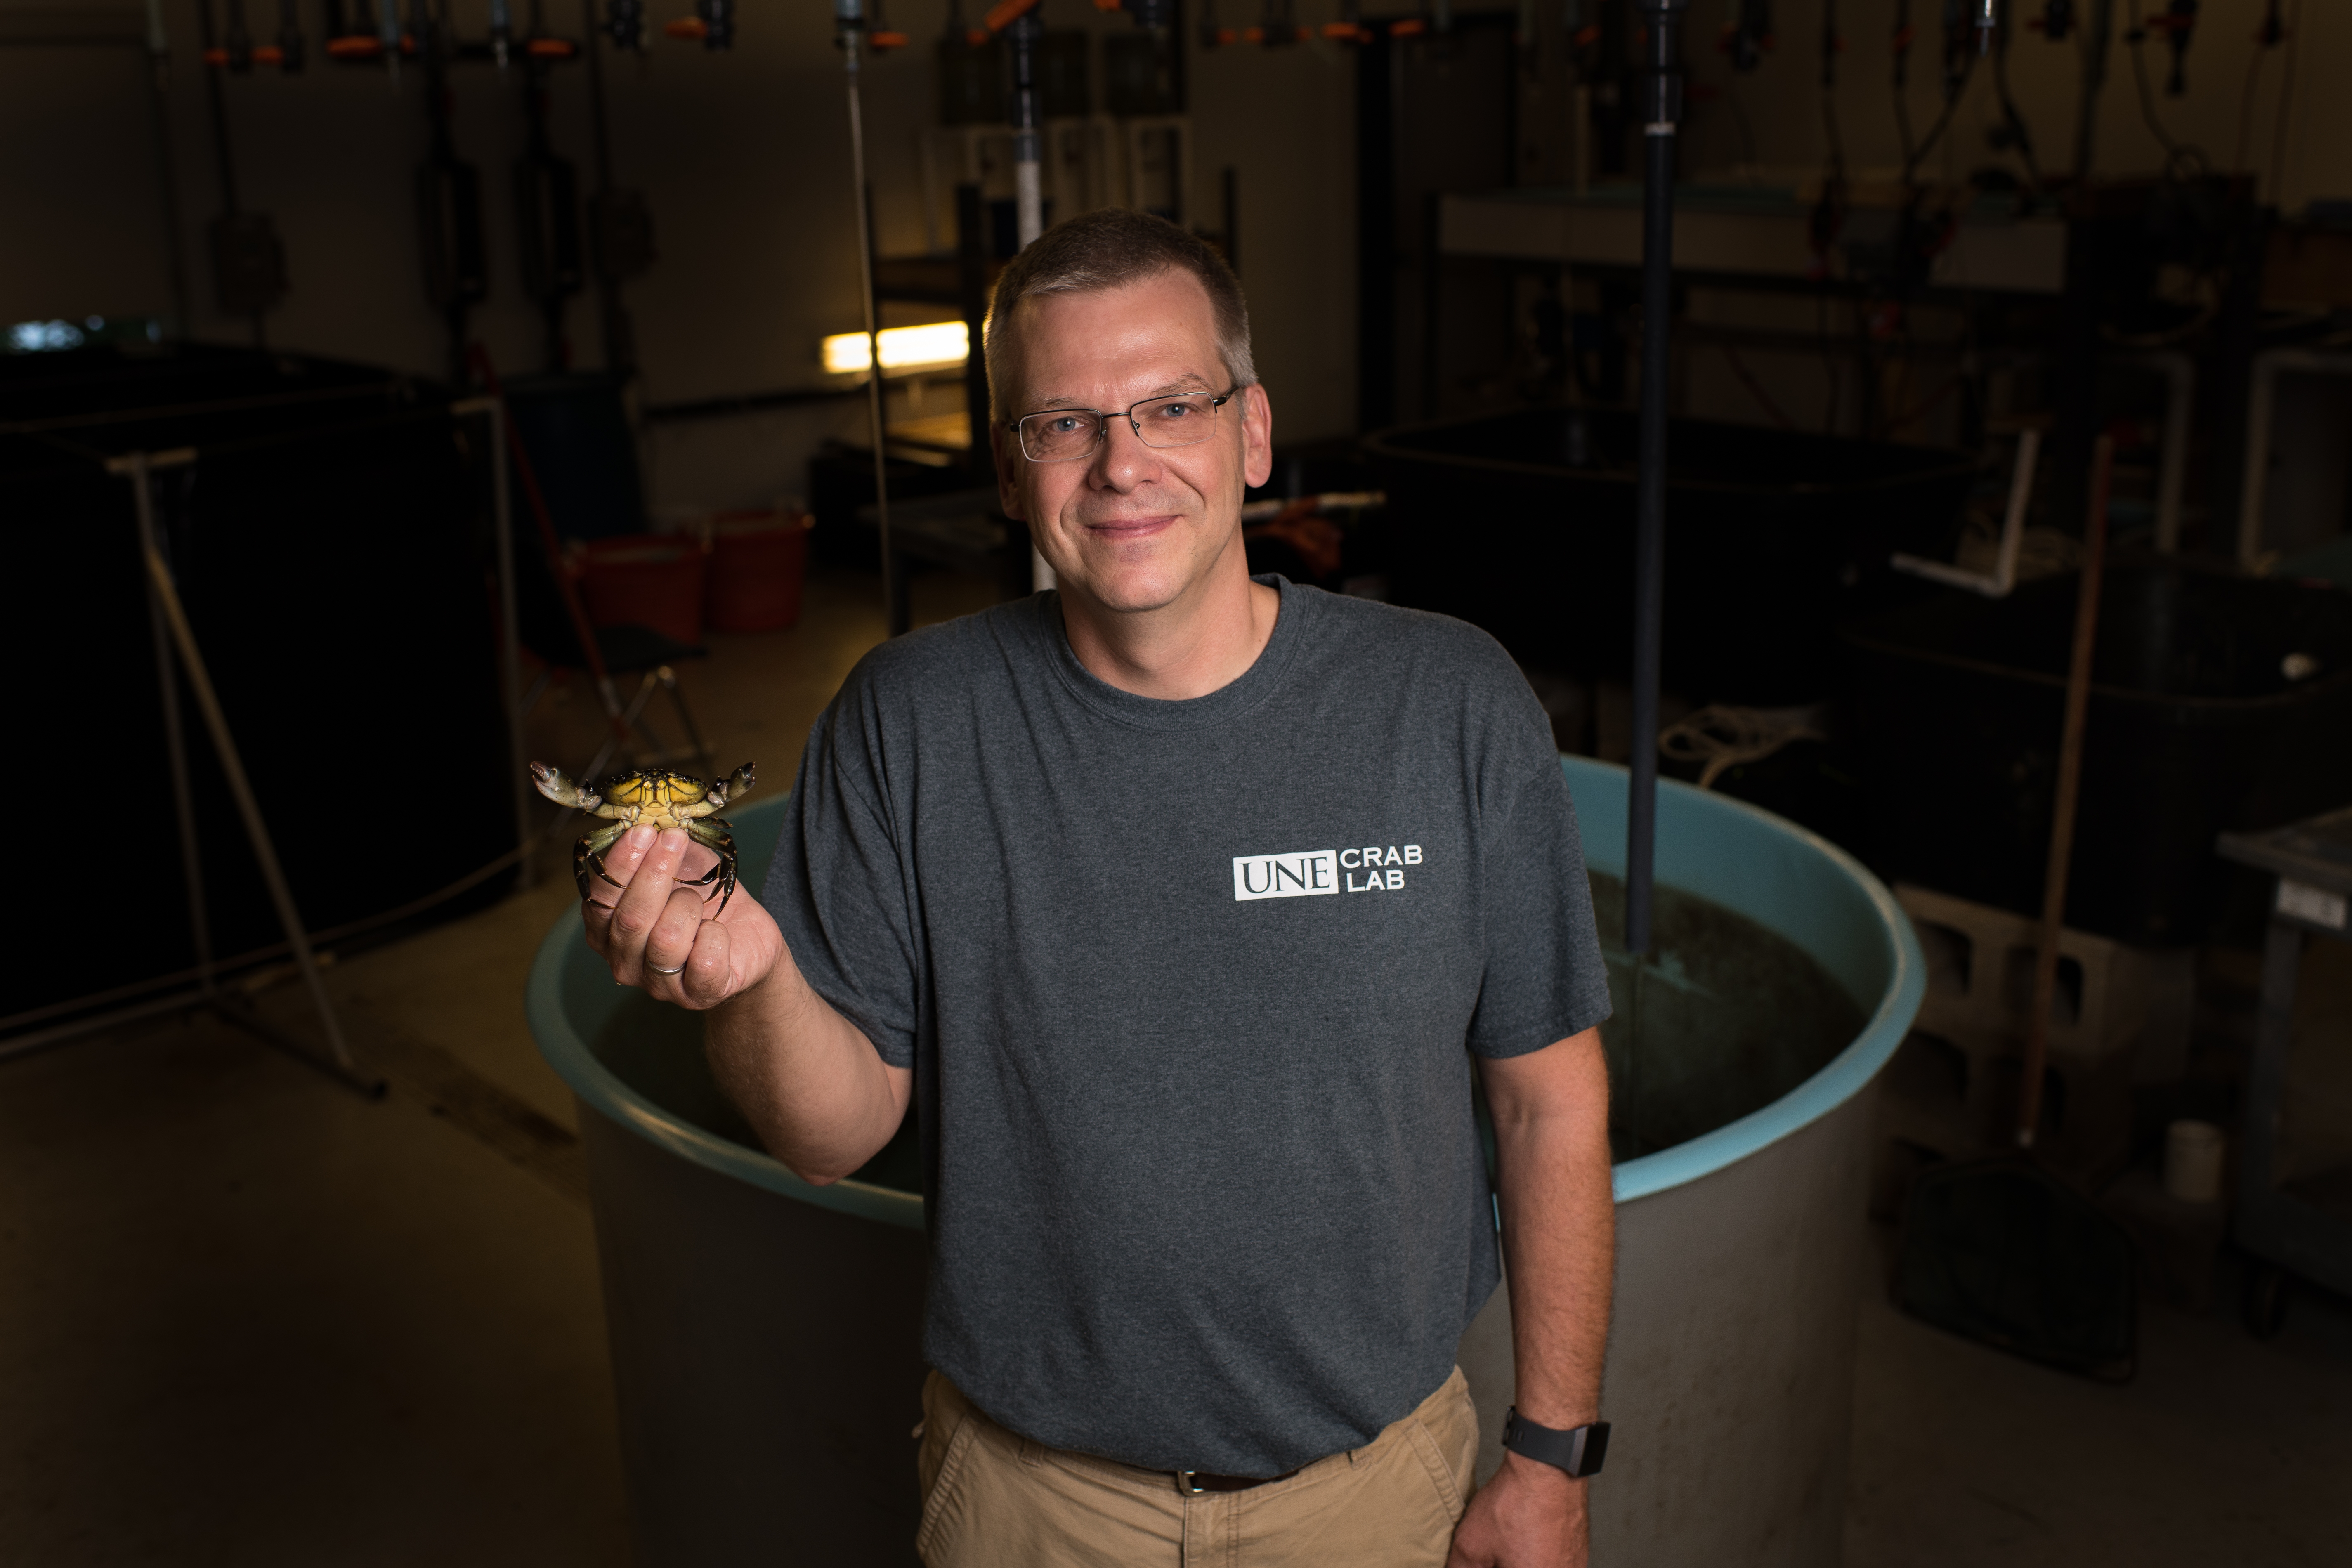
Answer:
(1131, 527)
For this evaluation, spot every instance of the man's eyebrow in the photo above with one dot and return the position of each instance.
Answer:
(1166, 389)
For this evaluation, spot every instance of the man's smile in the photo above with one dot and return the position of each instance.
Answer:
(1123, 529)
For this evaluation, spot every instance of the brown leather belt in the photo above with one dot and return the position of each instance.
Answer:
(1192, 1483)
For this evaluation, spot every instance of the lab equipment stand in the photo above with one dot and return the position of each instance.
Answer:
(2299, 1226)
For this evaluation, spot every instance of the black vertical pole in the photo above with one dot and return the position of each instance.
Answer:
(619, 333)
(1661, 109)
(849, 34)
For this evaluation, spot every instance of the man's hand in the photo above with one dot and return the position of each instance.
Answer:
(652, 926)
(1531, 1515)
(810, 1084)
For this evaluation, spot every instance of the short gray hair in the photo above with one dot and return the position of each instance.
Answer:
(1111, 248)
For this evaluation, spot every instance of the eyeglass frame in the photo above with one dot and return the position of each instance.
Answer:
(1102, 431)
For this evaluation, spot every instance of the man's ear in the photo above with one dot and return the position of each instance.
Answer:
(1002, 446)
(1257, 436)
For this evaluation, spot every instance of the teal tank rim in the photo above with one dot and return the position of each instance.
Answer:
(601, 1091)
(1691, 816)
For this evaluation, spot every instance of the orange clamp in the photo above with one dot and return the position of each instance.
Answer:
(689, 28)
(886, 40)
(1007, 11)
(1407, 27)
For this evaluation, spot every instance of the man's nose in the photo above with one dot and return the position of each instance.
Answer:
(1123, 460)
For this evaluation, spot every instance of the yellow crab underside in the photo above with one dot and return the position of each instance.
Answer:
(657, 799)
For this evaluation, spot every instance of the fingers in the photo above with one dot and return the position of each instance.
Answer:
(653, 932)
(707, 978)
(645, 865)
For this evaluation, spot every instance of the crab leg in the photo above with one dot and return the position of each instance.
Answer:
(590, 852)
(712, 835)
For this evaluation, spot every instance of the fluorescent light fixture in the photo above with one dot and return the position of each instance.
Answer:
(903, 348)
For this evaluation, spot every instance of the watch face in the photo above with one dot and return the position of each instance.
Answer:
(1596, 1449)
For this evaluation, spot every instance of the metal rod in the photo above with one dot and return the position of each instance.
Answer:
(158, 60)
(1028, 182)
(167, 596)
(1028, 149)
(850, 26)
(176, 747)
(1663, 102)
(2098, 29)
(25, 1044)
(2069, 784)
(620, 350)
(510, 633)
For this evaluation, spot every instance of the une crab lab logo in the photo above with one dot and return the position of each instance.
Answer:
(1308, 873)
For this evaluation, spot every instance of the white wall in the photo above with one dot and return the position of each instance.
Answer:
(743, 157)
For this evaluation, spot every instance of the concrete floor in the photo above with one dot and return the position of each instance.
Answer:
(248, 1317)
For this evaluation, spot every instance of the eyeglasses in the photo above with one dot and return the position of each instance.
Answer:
(1066, 434)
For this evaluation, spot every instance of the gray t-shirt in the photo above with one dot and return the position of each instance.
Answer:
(1186, 987)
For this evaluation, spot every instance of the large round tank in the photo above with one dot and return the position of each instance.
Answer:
(765, 1333)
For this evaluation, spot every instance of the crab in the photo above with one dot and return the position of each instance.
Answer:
(658, 799)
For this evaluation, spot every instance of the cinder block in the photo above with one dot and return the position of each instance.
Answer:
(1981, 977)
(1953, 1088)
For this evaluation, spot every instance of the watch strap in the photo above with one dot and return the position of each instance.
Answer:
(1579, 1450)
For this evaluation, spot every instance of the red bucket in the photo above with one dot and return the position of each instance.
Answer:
(758, 561)
(647, 580)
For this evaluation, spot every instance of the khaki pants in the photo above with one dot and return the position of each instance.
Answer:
(992, 1498)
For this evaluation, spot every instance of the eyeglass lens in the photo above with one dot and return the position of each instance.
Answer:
(1064, 433)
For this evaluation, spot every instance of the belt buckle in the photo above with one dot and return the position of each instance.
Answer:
(1184, 1484)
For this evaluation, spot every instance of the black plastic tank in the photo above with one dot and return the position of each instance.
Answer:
(1523, 523)
(332, 543)
(2217, 702)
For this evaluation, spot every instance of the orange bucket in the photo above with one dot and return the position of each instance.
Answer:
(757, 563)
(651, 580)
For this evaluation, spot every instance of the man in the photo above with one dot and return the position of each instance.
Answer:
(1179, 905)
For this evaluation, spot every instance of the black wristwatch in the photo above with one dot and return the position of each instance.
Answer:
(1577, 1450)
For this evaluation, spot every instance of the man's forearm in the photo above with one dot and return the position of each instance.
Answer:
(1551, 1131)
(807, 1078)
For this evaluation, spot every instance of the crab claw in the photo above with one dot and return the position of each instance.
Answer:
(734, 787)
(557, 788)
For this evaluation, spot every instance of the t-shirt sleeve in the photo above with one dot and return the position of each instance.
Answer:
(839, 887)
(1544, 978)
